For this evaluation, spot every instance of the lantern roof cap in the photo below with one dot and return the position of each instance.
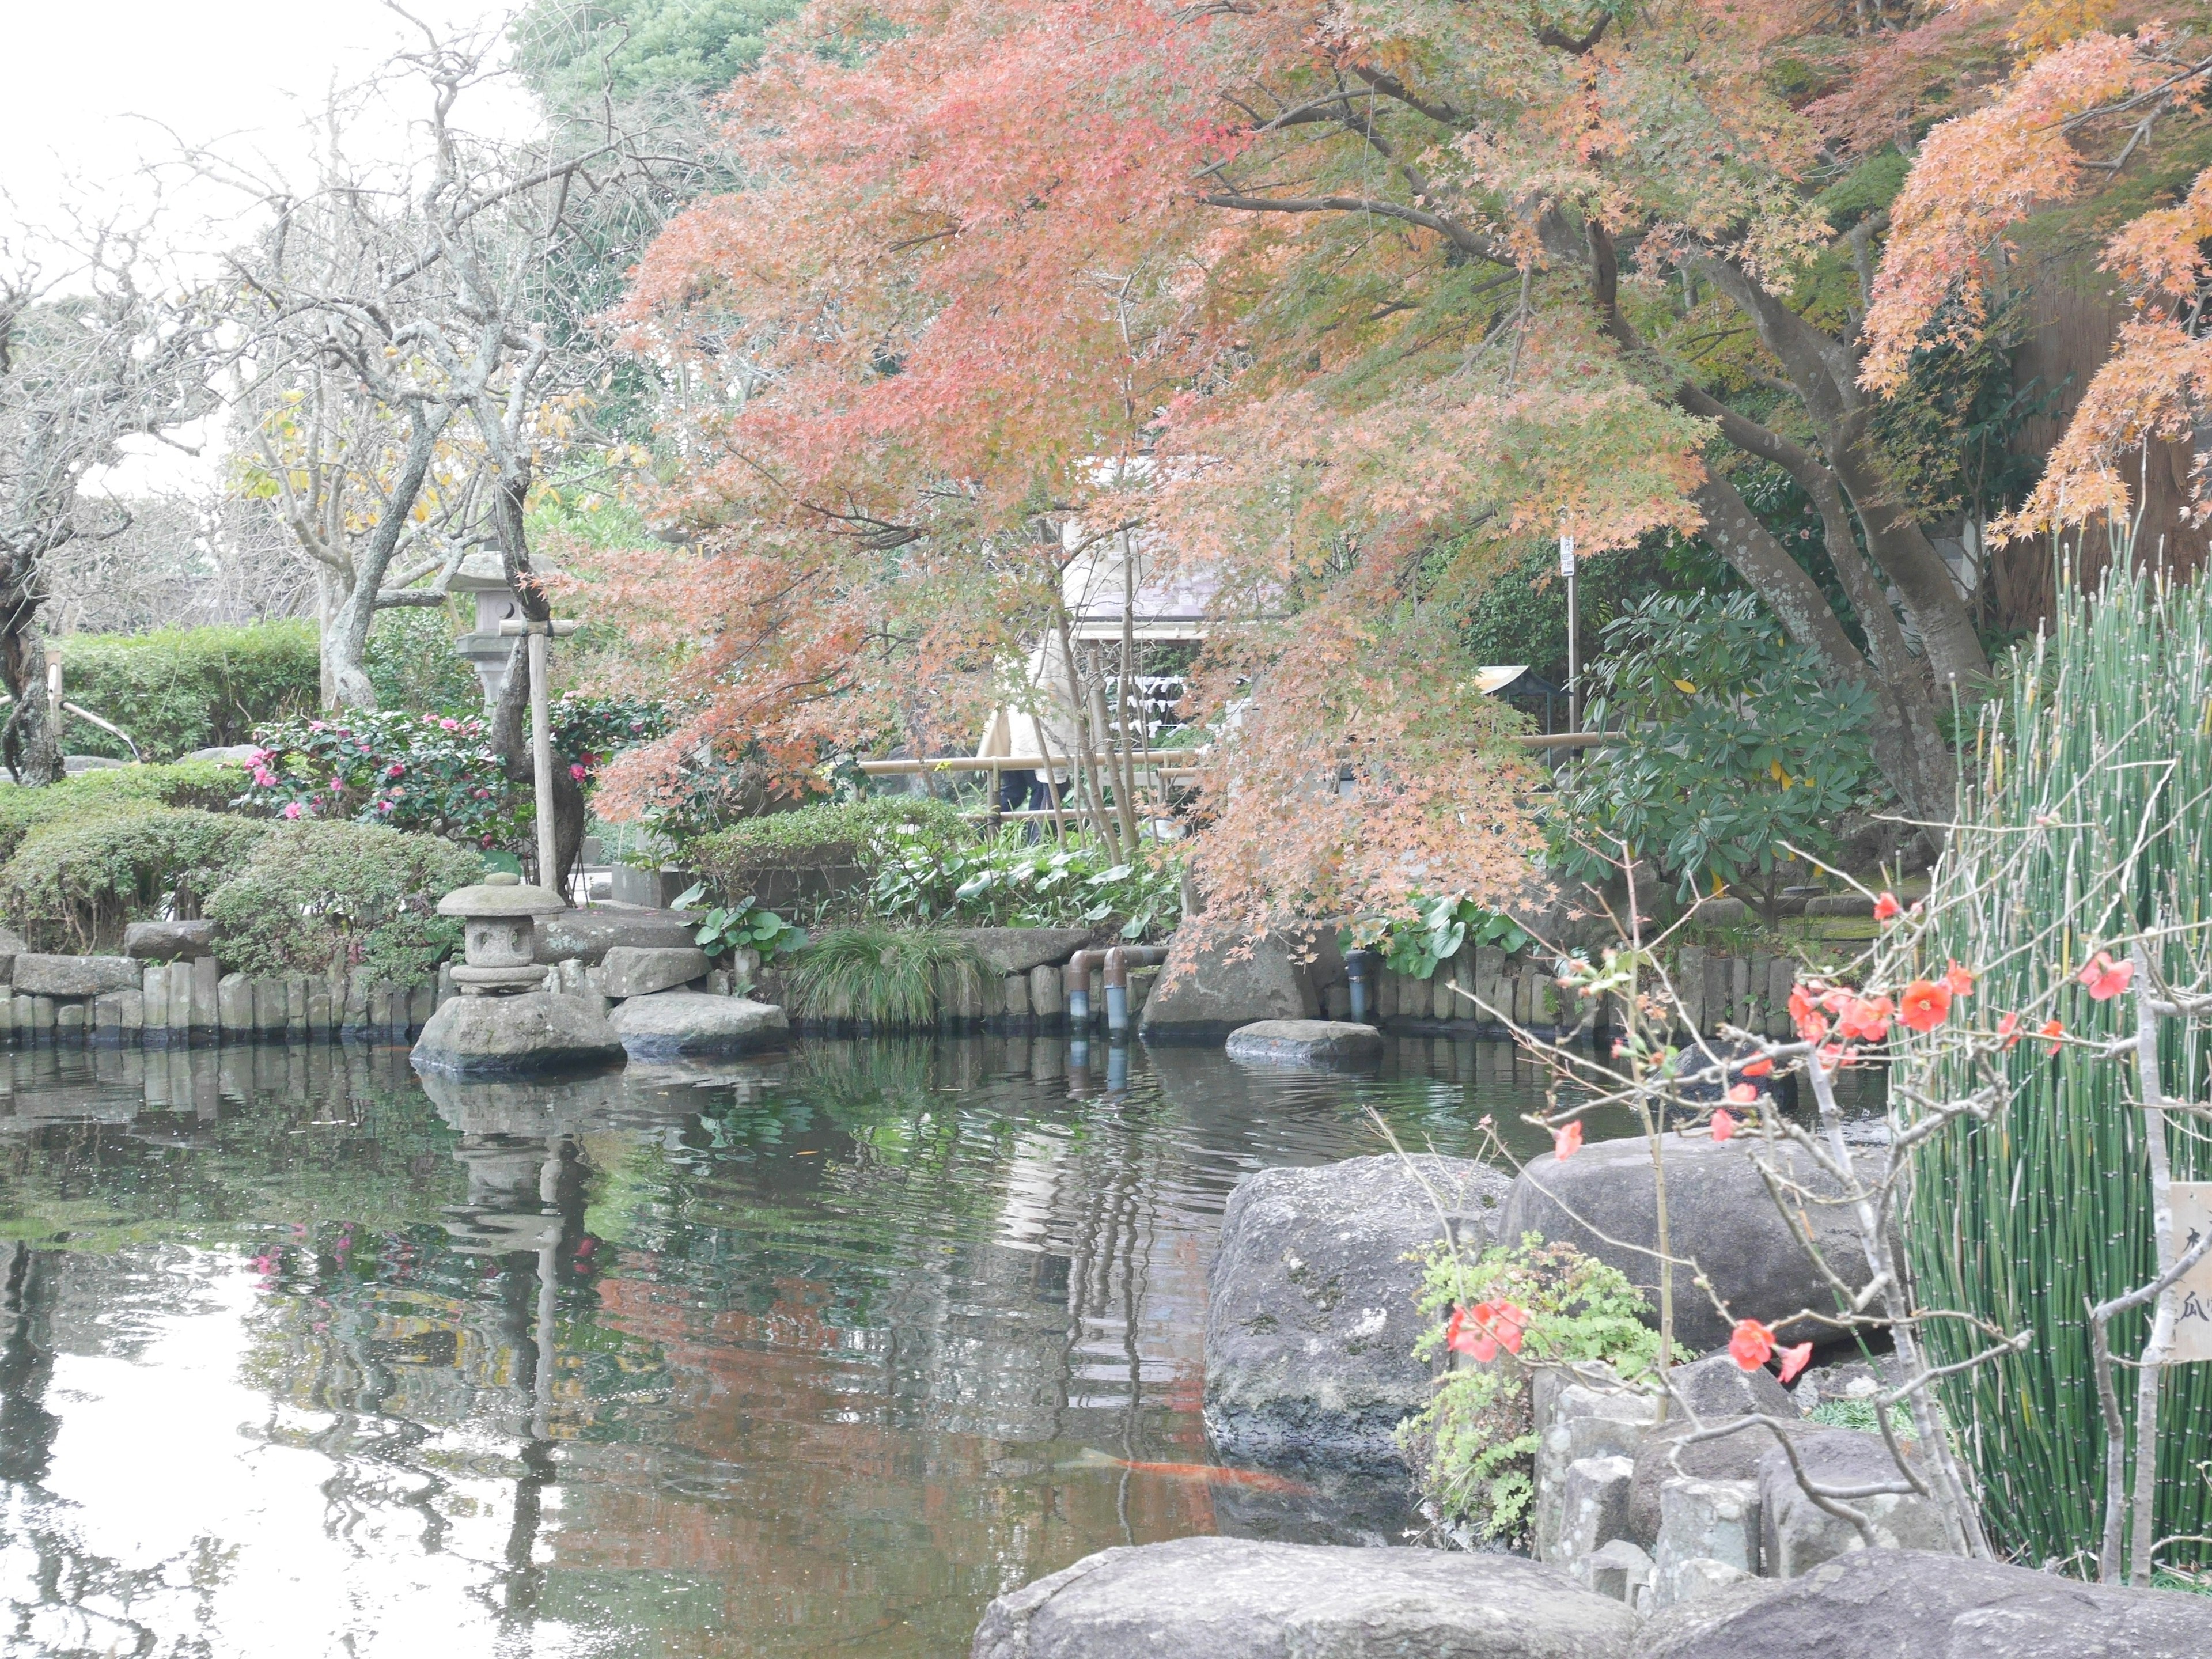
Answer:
(483, 571)
(500, 894)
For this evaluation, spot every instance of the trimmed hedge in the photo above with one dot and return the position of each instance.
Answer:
(181, 688)
(820, 852)
(73, 887)
(209, 785)
(315, 896)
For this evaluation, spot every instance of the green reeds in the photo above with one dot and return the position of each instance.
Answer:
(2087, 814)
(888, 977)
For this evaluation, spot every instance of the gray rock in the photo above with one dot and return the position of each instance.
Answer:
(1582, 1422)
(534, 1032)
(1231, 1598)
(1018, 949)
(636, 970)
(1310, 1042)
(1798, 1536)
(586, 936)
(1720, 1216)
(1310, 1321)
(1204, 994)
(43, 975)
(674, 1024)
(1619, 1572)
(12, 945)
(237, 754)
(1707, 1393)
(169, 941)
(1902, 1604)
(1692, 1580)
(1704, 1521)
(1594, 1512)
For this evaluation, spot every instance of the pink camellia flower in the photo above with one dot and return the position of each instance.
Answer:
(264, 778)
(578, 772)
(315, 726)
(291, 808)
(395, 770)
(450, 724)
(384, 806)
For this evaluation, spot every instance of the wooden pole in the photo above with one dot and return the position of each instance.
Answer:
(541, 763)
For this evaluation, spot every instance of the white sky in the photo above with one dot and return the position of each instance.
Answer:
(97, 88)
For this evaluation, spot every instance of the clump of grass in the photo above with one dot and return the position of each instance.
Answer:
(878, 975)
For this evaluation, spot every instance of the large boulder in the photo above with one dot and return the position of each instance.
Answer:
(38, 974)
(586, 936)
(1310, 1321)
(677, 1024)
(523, 1036)
(1204, 993)
(1902, 1604)
(635, 970)
(1800, 1535)
(1320, 1043)
(1231, 1598)
(1602, 1199)
(169, 941)
(1017, 949)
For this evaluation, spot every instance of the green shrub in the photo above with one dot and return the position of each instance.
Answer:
(932, 874)
(315, 896)
(823, 849)
(182, 688)
(435, 773)
(209, 785)
(410, 660)
(884, 975)
(73, 885)
(1474, 1446)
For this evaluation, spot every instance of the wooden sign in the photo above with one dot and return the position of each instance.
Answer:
(2192, 1304)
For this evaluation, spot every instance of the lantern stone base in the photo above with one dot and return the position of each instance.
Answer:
(535, 1032)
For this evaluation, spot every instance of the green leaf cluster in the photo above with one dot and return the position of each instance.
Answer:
(724, 929)
(311, 896)
(933, 874)
(1732, 741)
(1418, 945)
(1474, 1446)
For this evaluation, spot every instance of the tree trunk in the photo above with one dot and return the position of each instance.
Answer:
(344, 643)
(30, 747)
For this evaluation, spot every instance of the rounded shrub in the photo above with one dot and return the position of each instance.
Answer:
(112, 791)
(316, 895)
(180, 688)
(74, 885)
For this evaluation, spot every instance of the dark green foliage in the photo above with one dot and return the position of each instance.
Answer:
(878, 975)
(124, 789)
(2087, 808)
(312, 896)
(1521, 616)
(1947, 438)
(933, 871)
(73, 885)
(1732, 742)
(568, 50)
(183, 689)
(411, 664)
(828, 844)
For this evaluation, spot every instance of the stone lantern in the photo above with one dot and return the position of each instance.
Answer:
(499, 934)
(483, 574)
(505, 1022)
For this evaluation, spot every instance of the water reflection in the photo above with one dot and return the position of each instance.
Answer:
(806, 1356)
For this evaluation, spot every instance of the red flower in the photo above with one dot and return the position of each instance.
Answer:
(2105, 978)
(1723, 1125)
(1866, 1020)
(1566, 1142)
(2052, 1030)
(1835, 1056)
(1744, 1093)
(1752, 1346)
(1794, 1360)
(1957, 981)
(1763, 1067)
(2008, 1029)
(1810, 1024)
(1486, 1328)
(1924, 1004)
(1887, 908)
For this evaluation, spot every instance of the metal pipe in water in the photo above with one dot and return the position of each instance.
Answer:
(1358, 972)
(1119, 959)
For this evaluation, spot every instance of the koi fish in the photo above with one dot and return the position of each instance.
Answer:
(1213, 1475)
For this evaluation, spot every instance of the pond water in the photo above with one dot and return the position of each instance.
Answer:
(807, 1356)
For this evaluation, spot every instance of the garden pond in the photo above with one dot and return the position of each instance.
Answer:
(809, 1355)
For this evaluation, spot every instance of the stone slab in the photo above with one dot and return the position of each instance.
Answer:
(38, 973)
(676, 1024)
(1327, 1044)
(168, 941)
(637, 970)
(586, 936)
(1017, 949)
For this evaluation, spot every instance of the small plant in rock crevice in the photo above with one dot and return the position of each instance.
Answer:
(1510, 1311)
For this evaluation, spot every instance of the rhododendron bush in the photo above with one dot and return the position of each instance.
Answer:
(1344, 306)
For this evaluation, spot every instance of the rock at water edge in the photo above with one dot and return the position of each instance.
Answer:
(1311, 1322)
(635, 970)
(1231, 1598)
(537, 1031)
(1203, 994)
(43, 975)
(674, 1024)
(1304, 1042)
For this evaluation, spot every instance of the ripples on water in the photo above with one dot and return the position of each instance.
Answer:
(809, 1356)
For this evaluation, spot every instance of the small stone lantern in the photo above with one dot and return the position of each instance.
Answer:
(499, 934)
